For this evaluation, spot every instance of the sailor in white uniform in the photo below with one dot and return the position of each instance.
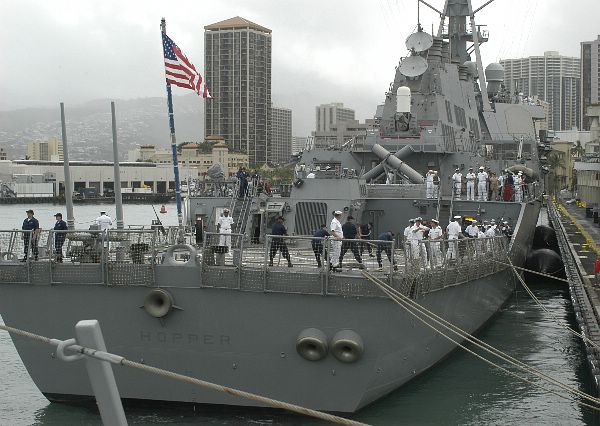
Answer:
(481, 242)
(472, 230)
(435, 234)
(457, 182)
(224, 224)
(417, 248)
(429, 184)
(490, 233)
(518, 182)
(453, 231)
(104, 221)
(335, 230)
(470, 184)
(408, 236)
(482, 178)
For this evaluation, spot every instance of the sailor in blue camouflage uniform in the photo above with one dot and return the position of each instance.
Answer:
(387, 247)
(350, 231)
(317, 243)
(59, 237)
(277, 243)
(30, 238)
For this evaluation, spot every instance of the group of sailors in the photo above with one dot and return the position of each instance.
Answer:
(430, 255)
(485, 185)
(32, 236)
(506, 187)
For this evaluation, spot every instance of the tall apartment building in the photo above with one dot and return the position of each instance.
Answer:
(50, 150)
(590, 78)
(298, 144)
(237, 61)
(554, 79)
(280, 149)
(329, 115)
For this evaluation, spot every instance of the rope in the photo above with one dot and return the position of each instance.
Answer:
(531, 271)
(409, 305)
(116, 359)
(558, 322)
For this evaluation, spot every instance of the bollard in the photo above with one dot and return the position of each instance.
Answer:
(101, 375)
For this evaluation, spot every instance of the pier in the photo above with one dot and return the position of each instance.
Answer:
(578, 239)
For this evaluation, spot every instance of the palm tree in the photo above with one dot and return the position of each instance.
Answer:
(555, 163)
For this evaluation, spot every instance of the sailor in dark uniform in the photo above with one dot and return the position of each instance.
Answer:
(350, 231)
(387, 247)
(277, 243)
(32, 225)
(317, 243)
(59, 237)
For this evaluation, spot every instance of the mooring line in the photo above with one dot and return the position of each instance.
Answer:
(409, 305)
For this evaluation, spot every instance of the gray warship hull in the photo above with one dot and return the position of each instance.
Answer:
(243, 333)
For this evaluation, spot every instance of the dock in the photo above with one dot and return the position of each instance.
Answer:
(579, 240)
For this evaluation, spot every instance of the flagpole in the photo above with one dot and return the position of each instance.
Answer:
(163, 28)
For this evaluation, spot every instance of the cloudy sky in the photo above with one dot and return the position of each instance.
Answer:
(323, 51)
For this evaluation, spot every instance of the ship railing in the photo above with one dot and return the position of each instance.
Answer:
(436, 264)
(129, 256)
(75, 256)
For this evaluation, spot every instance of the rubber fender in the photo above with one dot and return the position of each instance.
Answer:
(169, 256)
(545, 237)
(347, 346)
(7, 256)
(546, 261)
(158, 303)
(312, 344)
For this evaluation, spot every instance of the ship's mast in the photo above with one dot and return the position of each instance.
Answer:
(457, 12)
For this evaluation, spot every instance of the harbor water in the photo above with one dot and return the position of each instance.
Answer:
(460, 390)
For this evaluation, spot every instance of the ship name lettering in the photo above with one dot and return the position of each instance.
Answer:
(185, 338)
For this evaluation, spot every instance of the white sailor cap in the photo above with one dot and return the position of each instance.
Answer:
(474, 221)
(420, 219)
(337, 212)
(225, 210)
(435, 221)
(481, 168)
(457, 217)
(411, 220)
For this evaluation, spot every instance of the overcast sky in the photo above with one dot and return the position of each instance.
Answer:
(323, 51)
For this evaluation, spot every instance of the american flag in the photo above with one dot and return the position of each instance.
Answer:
(179, 70)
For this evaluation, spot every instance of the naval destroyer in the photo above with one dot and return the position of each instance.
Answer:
(329, 340)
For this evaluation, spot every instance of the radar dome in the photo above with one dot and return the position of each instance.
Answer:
(494, 74)
(403, 99)
(471, 68)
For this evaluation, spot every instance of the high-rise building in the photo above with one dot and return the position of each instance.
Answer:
(50, 150)
(237, 61)
(280, 148)
(590, 78)
(298, 144)
(552, 78)
(329, 115)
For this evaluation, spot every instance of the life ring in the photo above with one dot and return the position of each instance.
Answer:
(347, 346)
(312, 344)
(158, 303)
(169, 256)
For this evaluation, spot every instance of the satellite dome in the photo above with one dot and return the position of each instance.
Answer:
(403, 99)
(494, 72)
(471, 68)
